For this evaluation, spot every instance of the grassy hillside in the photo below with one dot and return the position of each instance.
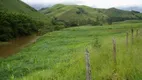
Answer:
(121, 15)
(73, 15)
(17, 6)
(60, 55)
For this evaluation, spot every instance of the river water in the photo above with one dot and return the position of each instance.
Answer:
(15, 45)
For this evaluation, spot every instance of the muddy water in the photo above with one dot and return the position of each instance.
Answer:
(16, 45)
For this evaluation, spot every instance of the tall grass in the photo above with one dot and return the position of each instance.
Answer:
(60, 55)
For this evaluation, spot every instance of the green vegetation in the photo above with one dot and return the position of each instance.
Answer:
(61, 16)
(121, 15)
(17, 6)
(74, 15)
(19, 19)
(14, 25)
(60, 55)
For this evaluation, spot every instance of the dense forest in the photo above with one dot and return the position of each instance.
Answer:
(13, 25)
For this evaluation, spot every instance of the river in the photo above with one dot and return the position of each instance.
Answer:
(15, 45)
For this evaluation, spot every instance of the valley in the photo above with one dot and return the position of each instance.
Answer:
(63, 42)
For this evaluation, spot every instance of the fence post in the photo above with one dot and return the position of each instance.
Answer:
(127, 39)
(88, 69)
(137, 33)
(132, 31)
(114, 50)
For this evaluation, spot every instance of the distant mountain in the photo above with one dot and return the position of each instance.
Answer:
(115, 14)
(136, 8)
(73, 15)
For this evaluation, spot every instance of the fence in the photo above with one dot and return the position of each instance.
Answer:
(88, 67)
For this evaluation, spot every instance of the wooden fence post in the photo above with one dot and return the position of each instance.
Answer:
(127, 39)
(114, 50)
(88, 69)
(132, 32)
(137, 33)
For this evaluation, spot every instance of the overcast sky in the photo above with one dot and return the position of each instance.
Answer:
(92, 3)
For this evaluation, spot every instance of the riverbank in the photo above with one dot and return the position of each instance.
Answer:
(13, 46)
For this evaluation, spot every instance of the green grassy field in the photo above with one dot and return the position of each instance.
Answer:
(60, 55)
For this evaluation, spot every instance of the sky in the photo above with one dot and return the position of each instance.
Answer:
(91, 3)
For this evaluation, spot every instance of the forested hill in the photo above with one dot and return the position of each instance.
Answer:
(17, 6)
(18, 19)
(73, 15)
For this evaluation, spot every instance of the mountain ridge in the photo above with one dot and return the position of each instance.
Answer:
(127, 8)
(76, 14)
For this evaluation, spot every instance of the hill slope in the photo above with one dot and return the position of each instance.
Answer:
(17, 6)
(76, 15)
(73, 15)
(121, 15)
